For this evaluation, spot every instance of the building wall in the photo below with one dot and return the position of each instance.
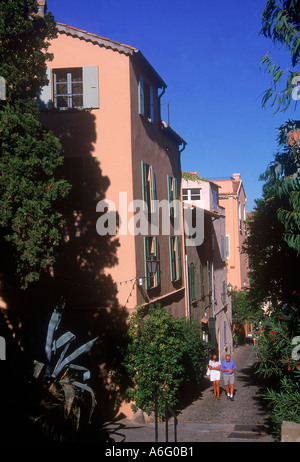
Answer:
(99, 273)
(231, 194)
(211, 305)
(222, 302)
(119, 138)
(151, 145)
(104, 133)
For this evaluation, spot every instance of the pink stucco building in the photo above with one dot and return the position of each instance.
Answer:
(208, 300)
(233, 198)
(103, 103)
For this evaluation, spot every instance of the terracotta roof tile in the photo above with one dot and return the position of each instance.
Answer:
(64, 28)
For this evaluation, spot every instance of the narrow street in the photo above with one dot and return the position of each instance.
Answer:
(245, 418)
(205, 419)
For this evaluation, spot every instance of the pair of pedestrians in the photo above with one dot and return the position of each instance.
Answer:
(227, 367)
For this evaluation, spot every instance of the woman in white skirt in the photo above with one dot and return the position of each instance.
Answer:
(215, 366)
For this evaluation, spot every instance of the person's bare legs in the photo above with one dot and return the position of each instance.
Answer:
(218, 388)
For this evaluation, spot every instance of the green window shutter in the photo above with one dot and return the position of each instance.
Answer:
(209, 281)
(146, 256)
(45, 96)
(227, 246)
(175, 188)
(156, 251)
(141, 96)
(212, 332)
(144, 172)
(192, 281)
(153, 190)
(90, 87)
(151, 105)
(178, 258)
(224, 292)
(175, 196)
(170, 194)
(201, 281)
(172, 258)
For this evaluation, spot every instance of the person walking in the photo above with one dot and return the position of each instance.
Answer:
(228, 367)
(215, 366)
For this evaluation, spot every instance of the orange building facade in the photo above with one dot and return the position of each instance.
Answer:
(103, 103)
(233, 198)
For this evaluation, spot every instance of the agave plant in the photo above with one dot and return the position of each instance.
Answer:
(63, 383)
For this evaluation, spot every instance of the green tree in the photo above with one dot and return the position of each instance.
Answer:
(30, 187)
(273, 245)
(162, 350)
(287, 170)
(273, 275)
(281, 23)
(276, 364)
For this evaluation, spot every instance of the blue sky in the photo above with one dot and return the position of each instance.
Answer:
(208, 53)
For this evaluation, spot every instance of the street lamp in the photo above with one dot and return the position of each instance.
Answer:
(152, 263)
(229, 288)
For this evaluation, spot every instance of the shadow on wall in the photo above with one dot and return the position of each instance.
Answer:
(79, 275)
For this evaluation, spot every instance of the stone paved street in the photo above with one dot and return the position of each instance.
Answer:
(206, 419)
(247, 407)
(247, 410)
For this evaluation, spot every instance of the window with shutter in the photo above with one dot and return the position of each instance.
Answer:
(227, 246)
(68, 88)
(224, 292)
(178, 258)
(173, 196)
(202, 291)
(151, 246)
(223, 248)
(153, 197)
(73, 88)
(90, 87)
(175, 258)
(146, 100)
(192, 282)
(148, 187)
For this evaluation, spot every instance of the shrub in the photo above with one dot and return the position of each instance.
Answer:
(274, 349)
(162, 350)
(274, 362)
(285, 402)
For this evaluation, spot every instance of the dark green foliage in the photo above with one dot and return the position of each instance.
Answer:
(286, 167)
(30, 223)
(281, 23)
(162, 350)
(276, 363)
(273, 245)
(61, 391)
(273, 264)
(242, 307)
(23, 52)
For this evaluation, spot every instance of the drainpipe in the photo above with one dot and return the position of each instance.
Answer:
(183, 148)
(212, 289)
(188, 303)
(159, 99)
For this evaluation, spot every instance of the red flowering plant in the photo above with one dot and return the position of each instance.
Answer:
(276, 363)
(274, 350)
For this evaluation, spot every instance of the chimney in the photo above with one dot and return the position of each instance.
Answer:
(42, 7)
(236, 176)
